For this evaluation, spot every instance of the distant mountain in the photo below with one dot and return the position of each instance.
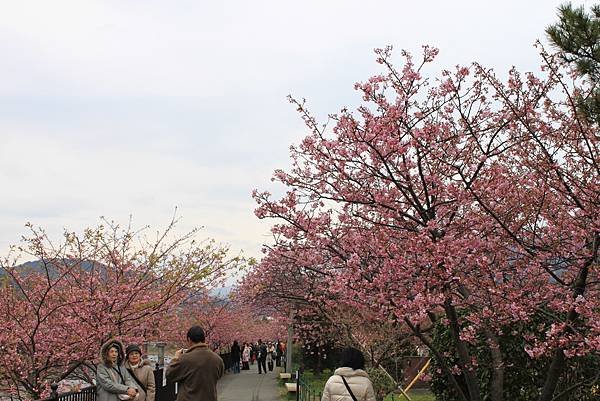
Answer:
(222, 292)
(37, 266)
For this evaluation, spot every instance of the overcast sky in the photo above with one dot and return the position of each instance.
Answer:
(118, 108)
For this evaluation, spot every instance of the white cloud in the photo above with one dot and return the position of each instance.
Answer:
(134, 107)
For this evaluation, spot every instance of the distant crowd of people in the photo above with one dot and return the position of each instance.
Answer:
(266, 355)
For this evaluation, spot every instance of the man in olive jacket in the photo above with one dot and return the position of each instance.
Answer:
(196, 370)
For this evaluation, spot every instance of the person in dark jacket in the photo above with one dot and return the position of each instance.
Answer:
(235, 357)
(196, 369)
(262, 357)
(278, 353)
(253, 352)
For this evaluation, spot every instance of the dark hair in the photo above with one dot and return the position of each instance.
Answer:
(352, 358)
(196, 334)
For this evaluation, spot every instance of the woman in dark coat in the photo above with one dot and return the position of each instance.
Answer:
(278, 353)
(235, 357)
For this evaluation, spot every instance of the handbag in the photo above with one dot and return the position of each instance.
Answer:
(125, 397)
(348, 388)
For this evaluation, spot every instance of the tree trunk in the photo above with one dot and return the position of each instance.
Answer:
(554, 372)
(558, 361)
(497, 383)
(463, 353)
(439, 357)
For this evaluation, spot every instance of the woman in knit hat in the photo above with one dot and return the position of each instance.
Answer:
(141, 371)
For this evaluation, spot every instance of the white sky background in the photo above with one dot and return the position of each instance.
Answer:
(112, 108)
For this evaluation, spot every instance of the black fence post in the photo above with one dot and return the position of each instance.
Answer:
(54, 392)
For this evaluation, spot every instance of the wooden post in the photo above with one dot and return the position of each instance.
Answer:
(419, 374)
(297, 385)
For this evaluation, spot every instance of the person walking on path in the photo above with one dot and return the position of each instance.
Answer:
(141, 371)
(253, 352)
(262, 357)
(349, 382)
(196, 369)
(113, 382)
(282, 352)
(270, 353)
(278, 353)
(235, 357)
(246, 357)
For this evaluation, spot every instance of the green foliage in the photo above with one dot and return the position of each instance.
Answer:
(577, 34)
(318, 356)
(523, 376)
(415, 395)
(383, 384)
(316, 380)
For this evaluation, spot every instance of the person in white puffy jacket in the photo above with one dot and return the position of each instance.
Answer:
(352, 364)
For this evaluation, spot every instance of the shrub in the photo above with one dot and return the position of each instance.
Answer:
(523, 376)
(383, 384)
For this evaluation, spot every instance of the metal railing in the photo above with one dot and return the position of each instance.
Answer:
(227, 360)
(85, 394)
(166, 392)
(304, 391)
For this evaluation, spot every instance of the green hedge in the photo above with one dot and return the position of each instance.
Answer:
(523, 376)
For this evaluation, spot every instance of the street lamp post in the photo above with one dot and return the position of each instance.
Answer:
(161, 353)
(288, 347)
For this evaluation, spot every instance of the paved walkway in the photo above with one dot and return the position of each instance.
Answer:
(249, 386)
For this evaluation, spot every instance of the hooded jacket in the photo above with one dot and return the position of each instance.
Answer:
(197, 372)
(109, 383)
(145, 374)
(357, 379)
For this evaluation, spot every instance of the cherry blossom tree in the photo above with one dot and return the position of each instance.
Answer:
(468, 199)
(111, 281)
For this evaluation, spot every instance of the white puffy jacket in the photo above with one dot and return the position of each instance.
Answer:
(359, 383)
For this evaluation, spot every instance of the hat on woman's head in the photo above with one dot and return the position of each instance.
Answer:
(116, 345)
(132, 348)
(112, 343)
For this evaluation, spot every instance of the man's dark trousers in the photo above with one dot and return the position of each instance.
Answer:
(262, 362)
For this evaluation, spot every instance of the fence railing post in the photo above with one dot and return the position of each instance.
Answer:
(54, 392)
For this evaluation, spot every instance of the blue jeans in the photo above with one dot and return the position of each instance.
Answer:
(236, 367)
